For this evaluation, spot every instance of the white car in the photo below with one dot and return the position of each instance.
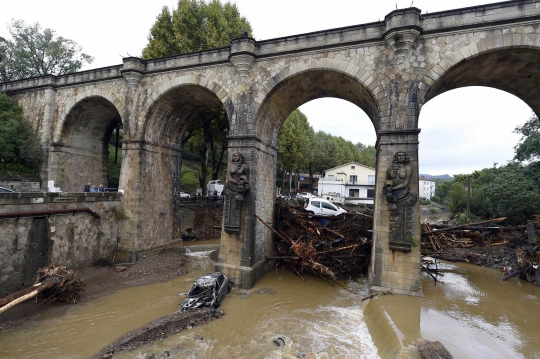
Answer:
(305, 195)
(184, 195)
(323, 207)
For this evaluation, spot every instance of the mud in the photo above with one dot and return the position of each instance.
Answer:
(158, 266)
(160, 328)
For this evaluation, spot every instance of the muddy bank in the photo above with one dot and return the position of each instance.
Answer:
(158, 266)
(159, 329)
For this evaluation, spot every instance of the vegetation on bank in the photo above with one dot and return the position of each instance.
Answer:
(511, 190)
(20, 151)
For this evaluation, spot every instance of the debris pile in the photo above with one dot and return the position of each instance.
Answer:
(444, 242)
(436, 238)
(57, 283)
(326, 246)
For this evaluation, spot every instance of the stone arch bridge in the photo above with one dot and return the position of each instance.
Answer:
(388, 68)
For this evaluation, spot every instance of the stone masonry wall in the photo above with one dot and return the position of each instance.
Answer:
(75, 240)
(21, 185)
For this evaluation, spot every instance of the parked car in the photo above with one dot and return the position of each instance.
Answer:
(184, 195)
(5, 190)
(207, 291)
(323, 207)
(305, 195)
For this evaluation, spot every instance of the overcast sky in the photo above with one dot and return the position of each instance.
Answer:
(462, 130)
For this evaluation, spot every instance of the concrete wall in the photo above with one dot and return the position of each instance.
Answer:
(76, 240)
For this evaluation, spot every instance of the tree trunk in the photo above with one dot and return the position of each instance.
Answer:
(27, 293)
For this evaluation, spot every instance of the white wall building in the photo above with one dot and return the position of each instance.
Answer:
(426, 188)
(349, 183)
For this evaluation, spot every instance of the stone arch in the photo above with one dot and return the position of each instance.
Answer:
(155, 95)
(79, 153)
(355, 86)
(117, 102)
(512, 68)
(164, 117)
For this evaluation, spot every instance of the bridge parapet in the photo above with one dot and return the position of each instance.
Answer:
(104, 73)
(481, 16)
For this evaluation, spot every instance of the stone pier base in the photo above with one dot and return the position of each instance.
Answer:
(245, 277)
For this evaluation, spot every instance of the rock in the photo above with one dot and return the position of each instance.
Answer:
(264, 291)
(119, 269)
(434, 350)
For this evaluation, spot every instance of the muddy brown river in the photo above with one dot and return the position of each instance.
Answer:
(473, 314)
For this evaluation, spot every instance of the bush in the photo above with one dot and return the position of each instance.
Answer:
(189, 180)
(436, 199)
(425, 202)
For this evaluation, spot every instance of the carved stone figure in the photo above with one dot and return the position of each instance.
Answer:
(235, 188)
(400, 201)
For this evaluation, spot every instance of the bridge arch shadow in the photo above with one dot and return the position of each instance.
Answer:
(79, 154)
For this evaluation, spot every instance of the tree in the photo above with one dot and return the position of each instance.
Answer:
(294, 143)
(367, 155)
(194, 26)
(208, 137)
(19, 148)
(528, 148)
(36, 53)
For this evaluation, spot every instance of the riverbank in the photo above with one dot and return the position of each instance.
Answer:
(157, 266)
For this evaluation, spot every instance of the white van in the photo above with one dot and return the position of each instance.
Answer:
(323, 207)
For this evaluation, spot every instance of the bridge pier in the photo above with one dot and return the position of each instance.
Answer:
(242, 255)
(395, 260)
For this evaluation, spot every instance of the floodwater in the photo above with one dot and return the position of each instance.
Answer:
(473, 314)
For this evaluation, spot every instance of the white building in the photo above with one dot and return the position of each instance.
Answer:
(349, 183)
(426, 188)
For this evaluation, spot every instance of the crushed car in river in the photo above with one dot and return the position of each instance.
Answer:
(207, 291)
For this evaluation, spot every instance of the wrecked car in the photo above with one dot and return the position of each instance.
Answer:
(207, 291)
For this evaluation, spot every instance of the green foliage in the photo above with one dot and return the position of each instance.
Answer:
(436, 199)
(207, 136)
(194, 26)
(457, 198)
(461, 218)
(36, 53)
(425, 202)
(442, 188)
(294, 141)
(113, 168)
(528, 148)
(189, 180)
(508, 191)
(367, 155)
(20, 152)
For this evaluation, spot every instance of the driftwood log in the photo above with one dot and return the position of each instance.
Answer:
(57, 283)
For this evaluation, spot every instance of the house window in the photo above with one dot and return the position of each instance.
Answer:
(354, 193)
(353, 167)
(330, 177)
(371, 180)
(353, 179)
(370, 193)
